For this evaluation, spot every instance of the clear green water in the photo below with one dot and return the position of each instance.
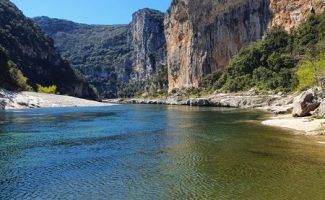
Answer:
(155, 152)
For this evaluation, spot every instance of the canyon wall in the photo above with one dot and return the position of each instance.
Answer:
(194, 38)
(118, 60)
(148, 43)
(202, 36)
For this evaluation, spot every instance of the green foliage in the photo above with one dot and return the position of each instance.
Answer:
(156, 86)
(270, 64)
(33, 56)
(160, 79)
(10, 76)
(209, 80)
(48, 90)
(311, 71)
(17, 77)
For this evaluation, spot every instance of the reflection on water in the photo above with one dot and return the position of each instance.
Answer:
(154, 152)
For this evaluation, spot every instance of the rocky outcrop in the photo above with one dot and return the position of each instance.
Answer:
(199, 102)
(278, 104)
(289, 14)
(305, 103)
(148, 43)
(202, 36)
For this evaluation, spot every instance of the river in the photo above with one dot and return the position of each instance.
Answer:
(155, 152)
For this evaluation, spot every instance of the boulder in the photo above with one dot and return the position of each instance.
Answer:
(320, 112)
(305, 103)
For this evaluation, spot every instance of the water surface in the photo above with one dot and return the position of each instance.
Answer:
(155, 152)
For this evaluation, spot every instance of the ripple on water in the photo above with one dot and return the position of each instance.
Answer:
(154, 152)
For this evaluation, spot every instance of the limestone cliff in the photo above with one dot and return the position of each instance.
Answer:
(289, 14)
(148, 42)
(202, 36)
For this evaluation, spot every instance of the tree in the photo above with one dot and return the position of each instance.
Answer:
(311, 71)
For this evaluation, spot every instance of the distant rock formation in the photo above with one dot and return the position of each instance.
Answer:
(148, 43)
(118, 60)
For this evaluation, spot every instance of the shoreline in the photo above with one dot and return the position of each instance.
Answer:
(303, 126)
(280, 105)
(27, 100)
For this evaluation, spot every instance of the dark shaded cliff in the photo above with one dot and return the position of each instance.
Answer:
(118, 60)
(30, 54)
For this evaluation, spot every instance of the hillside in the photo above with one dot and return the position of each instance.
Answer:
(100, 53)
(118, 60)
(28, 57)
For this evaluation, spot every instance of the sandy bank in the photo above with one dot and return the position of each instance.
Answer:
(304, 125)
(13, 100)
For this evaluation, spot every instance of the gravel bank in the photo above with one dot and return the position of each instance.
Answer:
(13, 100)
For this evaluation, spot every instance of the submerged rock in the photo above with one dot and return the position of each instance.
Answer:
(305, 103)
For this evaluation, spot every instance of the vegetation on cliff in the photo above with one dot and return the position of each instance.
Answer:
(118, 60)
(99, 52)
(29, 58)
(10, 76)
(281, 61)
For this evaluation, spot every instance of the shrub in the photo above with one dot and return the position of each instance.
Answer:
(11, 77)
(271, 64)
(49, 90)
(209, 81)
(311, 71)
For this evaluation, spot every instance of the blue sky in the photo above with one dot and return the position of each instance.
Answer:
(89, 11)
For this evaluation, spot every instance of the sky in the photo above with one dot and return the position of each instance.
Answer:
(89, 11)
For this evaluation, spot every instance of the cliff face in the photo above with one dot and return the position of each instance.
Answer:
(289, 14)
(31, 52)
(117, 59)
(202, 36)
(148, 43)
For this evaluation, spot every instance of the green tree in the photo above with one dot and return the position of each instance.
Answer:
(17, 77)
(311, 71)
